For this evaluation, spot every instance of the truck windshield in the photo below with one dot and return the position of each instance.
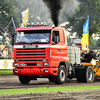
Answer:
(33, 37)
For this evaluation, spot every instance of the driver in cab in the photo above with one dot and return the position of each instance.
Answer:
(53, 39)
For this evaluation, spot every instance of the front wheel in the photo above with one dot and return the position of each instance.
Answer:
(61, 77)
(24, 79)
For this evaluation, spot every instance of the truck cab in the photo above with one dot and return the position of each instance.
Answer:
(40, 52)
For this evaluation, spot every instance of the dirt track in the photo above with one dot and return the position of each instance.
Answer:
(12, 82)
(87, 95)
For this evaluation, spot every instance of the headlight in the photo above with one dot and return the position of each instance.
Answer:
(15, 71)
(16, 64)
(45, 64)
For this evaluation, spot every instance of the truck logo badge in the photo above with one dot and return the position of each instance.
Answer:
(33, 46)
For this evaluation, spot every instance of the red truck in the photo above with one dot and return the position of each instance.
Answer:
(42, 52)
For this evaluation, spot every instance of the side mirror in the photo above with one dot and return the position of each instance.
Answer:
(56, 39)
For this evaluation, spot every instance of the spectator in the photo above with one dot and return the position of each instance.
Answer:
(10, 49)
(5, 53)
(0, 54)
(94, 53)
(86, 52)
(97, 54)
(82, 54)
(11, 54)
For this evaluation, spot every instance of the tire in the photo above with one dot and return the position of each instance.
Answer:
(61, 77)
(51, 79)
(78, 73)
(88, 74)
(85, 75)
(24, 79)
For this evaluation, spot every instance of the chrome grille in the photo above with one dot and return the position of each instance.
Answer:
(30, 54)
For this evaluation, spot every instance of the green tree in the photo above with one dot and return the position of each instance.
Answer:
(93, 44)
(86, 8)
(8, 9)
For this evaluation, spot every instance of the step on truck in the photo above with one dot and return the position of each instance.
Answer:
(42, 52)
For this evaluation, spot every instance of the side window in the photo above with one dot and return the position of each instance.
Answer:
(55, 37)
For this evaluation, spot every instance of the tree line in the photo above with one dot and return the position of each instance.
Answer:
(91, 8)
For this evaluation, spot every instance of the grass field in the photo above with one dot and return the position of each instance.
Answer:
(47, 90)
(6, 72)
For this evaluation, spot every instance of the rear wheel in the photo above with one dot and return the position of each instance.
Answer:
(85, 75)
(89, 74)
(24, 79)
(61, 77)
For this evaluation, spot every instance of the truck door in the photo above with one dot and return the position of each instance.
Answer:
(63, 46)
(55, 49)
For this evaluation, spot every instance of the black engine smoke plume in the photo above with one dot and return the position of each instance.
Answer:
(54, 7)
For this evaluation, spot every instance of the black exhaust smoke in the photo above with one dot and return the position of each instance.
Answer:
(54, 7)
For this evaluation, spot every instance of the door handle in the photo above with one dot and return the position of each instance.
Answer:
(59, 49)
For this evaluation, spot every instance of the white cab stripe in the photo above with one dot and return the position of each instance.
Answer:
(39, 46)
(44, 46)
(18, 46)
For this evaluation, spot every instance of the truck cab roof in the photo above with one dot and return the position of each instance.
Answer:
(33, 28)
(39, 28)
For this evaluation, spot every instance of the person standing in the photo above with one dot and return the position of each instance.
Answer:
(0, 54)
(11, 54)
(5, 53)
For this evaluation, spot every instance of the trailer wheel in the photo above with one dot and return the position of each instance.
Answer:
(61, 77)
(24, 79)
(51, 79)
(88, 74)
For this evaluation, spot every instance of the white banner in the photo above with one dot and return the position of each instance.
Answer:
(6, 63)
(25, 17)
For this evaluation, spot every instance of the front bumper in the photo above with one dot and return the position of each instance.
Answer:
(36, 72)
